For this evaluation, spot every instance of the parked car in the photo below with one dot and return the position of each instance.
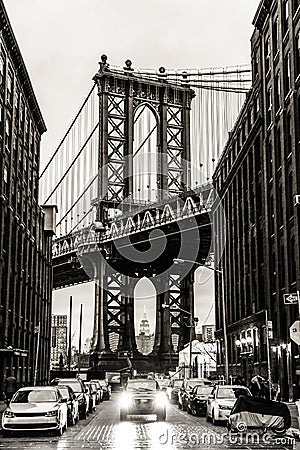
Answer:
(197, 400)
(142, 396)
(36, 408)
(69, 395)
(106, 389)
(221, 401)
(173, 389)
(80, 390)
(92, 391)
(187, 386)
(100, 394)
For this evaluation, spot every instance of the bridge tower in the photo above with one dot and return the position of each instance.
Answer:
(122, 94)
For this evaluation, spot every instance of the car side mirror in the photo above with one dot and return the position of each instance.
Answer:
(63, 400)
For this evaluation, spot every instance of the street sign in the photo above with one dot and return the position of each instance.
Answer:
(290, 299)
(295, 332)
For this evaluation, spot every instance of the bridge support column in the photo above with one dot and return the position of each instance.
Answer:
(187, 303)
(100, 337)
(127, 340)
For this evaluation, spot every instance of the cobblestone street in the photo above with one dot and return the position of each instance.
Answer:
(103, 430)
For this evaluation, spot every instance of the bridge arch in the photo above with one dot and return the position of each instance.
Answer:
(145, 315)
(145, 153)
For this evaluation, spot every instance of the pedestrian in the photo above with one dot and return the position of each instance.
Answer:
(10, 387)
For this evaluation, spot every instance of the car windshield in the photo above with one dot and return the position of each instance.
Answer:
(103, 383)
(144, 385)
(64, 392)
(231, 392)
(203, 390)
(75, 385)
(177, 383)
(35, 396)
(192, 383)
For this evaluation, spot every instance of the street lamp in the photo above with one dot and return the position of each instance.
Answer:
(195, 320)
(224, 319)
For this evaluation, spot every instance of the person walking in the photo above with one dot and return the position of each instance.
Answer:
(10, 387)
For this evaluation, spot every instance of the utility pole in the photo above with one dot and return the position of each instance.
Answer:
(80, 333)
(70, 333)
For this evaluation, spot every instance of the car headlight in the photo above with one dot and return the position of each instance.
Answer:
(160, 399)
(52, 413)
(224, 407)
(125, 400)
(9, 414)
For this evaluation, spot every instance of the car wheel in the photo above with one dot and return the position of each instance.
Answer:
(179, 405)
(214, 420)
(207, 417)
(66, 425)
(6, 433)
(189, 411)
(72, 421)
(123, 415)
(83, 415)
(161, 416)
(184, 406)
(59, 431)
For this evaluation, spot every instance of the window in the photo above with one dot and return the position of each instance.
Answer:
(298, 53)
(287, 73)
(277, 91)
(296, 4)
(278, 148)
(2, 69)
(7, 132)
(269, 106)
(285, 16)
(267, 54)
(5, 179)
(9, 87)
(275, 37)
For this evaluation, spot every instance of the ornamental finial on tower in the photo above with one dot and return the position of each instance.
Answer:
(103, 64)
(128, 65)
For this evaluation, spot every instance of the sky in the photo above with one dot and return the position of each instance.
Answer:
(61, 42)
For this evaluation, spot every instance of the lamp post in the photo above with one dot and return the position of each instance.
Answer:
(224, 319)
(195, 320)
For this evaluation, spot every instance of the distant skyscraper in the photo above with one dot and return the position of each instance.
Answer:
(58, 338)
(145, 339)
(208, 333)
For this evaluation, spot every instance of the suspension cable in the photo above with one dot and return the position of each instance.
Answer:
(67, 132)
(72, 163)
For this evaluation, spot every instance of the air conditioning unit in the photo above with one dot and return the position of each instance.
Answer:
(296, 200)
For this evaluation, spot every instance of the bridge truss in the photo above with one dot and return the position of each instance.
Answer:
(131, 182)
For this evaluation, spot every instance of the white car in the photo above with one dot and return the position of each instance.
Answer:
(221, 401)
(36, 408)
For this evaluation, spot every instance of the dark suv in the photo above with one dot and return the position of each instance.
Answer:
(80, 390)
(187, 386)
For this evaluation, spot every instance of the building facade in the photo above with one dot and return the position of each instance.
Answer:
(257, 178)
(25, 228)
(59, 339)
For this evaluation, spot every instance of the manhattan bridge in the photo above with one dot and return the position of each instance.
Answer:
(131, 179)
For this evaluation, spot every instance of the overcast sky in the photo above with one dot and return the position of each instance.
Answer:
(62, 40)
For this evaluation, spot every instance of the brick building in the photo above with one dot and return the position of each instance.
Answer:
(257, 178)
(25, 228)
